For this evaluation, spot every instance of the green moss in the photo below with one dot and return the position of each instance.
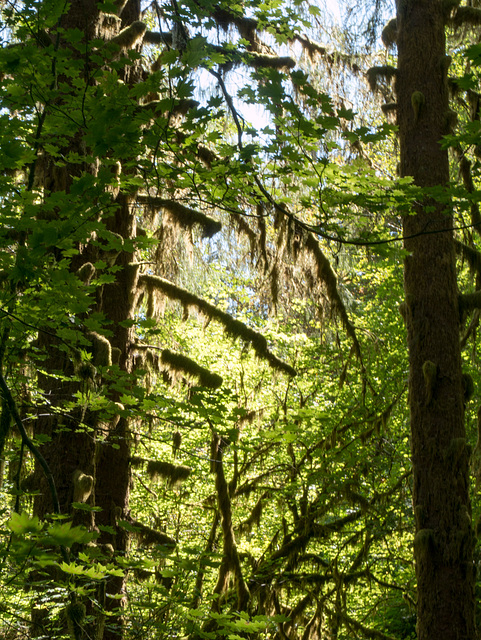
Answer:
(418, 102)
(430, 371)
(75, 615)
(127, 38)
(233, 327)
(389, 33)
(101, 350)
(385, 72)
(174, 474)
(82, 486)
(180, 363)
(148, 536)
(466, 15)
(423, 543)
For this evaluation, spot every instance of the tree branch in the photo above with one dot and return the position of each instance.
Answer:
(234, 327)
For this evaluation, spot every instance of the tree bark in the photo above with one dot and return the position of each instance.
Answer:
(444, 539)
(102, 450)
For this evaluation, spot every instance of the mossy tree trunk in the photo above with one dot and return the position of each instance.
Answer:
(444, 538)
(113, 476)
(79, 440)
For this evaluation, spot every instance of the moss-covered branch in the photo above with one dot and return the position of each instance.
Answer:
(466, 175)
(179, 362)
(470, 16)
(184, 216)
(199, 580)
(367, 632)
(385, 72)
(470, 301)
(471, 255)
(328, 277)
(259, 60)
(156, 38)
(389, 33)
(230, 560)
(254, 518)
(175, 363)
(148, 536)
(173, 474)
(233, 327)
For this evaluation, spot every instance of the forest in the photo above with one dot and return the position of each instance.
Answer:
(240, 298)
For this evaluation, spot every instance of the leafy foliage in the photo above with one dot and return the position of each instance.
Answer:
(202, 315)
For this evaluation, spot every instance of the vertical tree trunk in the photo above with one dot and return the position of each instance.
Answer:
(102, 450)
(112, 473)
(444, 539)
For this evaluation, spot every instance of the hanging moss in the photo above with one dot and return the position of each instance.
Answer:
(389, 33)
(465, 15)
(243, 227)
(262, 237)
(374, 74)
(274, 285)
(471, 255)
(173, 474)
(254, 518)
(328, 278)
(234, 328)
(184, 216)
(148, 536)
(247, 28)
(101, 349)
(75, 615)
(312, 48)
(469, 301)
(258, 60)
(356, 497)
(179, 362)
(82, 486)
(208, 157)
(116, 353)
(250, 416)
(137, 461)
(155, 302)
(129, 36)
(176, 443)
(86, 272)
(389, 107)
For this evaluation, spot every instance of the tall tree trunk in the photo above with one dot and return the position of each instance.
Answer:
(444, 539)
(112, 473)
(100, 451)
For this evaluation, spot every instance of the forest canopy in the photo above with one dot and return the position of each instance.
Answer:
(239, 307)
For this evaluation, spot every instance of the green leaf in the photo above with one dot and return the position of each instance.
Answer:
(22, 523)
(65, 535)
